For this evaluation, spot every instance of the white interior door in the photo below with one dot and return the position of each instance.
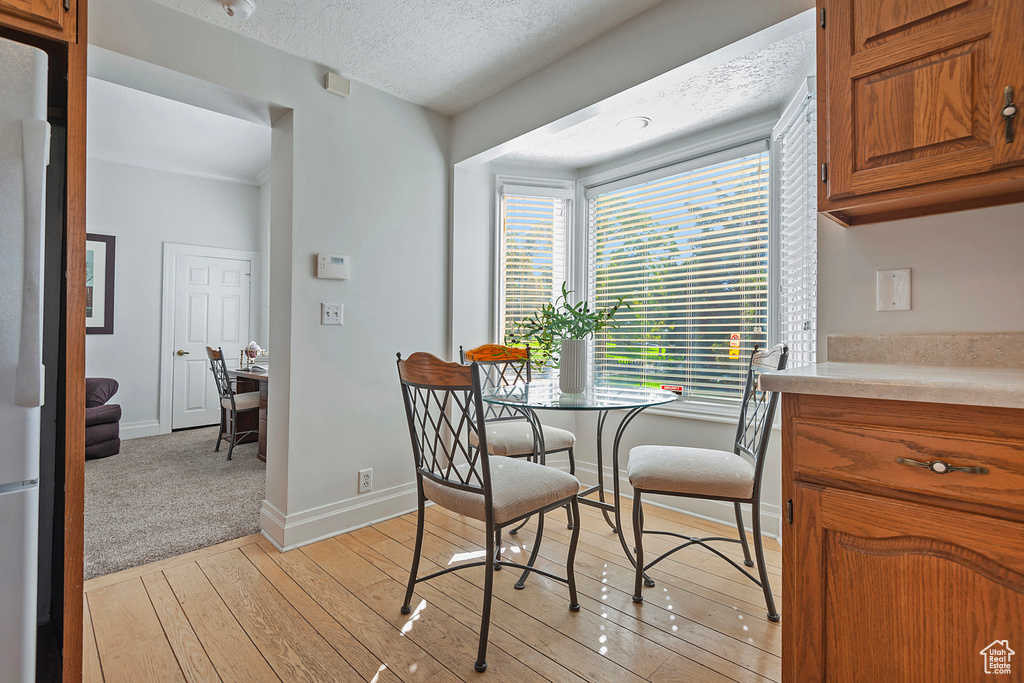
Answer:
(211, 308)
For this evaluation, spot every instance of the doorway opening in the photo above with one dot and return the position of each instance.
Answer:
(179, 219)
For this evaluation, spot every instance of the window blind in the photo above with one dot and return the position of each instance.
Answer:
(533, 255)
(689, 252)
(798, 228)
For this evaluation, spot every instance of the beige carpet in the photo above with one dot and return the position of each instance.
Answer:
(166, 495)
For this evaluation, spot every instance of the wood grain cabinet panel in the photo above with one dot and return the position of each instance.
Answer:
(51, 18)
(911, 94)
(895, 572)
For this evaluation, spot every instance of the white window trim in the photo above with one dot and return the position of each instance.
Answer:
(535, 187)
(700, 154)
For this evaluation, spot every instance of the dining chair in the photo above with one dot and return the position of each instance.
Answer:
(508, 432)
(714, 475)
(231, 403)
(444, 409)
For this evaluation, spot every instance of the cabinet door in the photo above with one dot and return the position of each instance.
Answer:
(915, 90)
(885, 590)
(49, 13)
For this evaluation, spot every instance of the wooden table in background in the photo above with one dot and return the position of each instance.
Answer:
(247, 380)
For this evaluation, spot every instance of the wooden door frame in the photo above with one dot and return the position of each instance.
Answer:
(171, 251)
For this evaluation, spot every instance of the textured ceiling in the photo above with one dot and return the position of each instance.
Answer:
(133, 127)
(443, 54)
(677, 106)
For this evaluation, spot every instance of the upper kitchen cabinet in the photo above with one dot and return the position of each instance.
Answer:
(916, 104)
(50, 18)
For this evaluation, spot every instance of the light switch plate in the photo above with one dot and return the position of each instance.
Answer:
(893, 289)
(332, 314)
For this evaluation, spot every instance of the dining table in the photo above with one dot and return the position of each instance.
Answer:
(252, 379)
(531, 397)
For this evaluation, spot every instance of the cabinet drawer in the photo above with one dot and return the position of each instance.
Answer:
(861, 454)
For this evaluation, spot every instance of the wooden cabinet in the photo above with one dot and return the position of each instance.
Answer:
(911, 97)
(51, 18)
(893, 571)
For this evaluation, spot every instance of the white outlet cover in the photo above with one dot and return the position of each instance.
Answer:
(893, 290)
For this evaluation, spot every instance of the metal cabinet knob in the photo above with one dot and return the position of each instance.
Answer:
(941, 466)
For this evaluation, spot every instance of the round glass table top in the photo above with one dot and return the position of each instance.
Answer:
(545, 395)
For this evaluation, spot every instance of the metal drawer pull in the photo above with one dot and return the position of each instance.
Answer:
(941, 467)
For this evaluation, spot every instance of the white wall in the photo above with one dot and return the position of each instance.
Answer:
(144, 208)
(967, 273)
(365, 176)
(263, 240)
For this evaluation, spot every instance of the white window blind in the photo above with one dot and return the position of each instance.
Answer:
(533, 254)
(689, 251)
(798, 227)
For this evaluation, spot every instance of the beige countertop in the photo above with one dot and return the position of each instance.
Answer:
(979, 386)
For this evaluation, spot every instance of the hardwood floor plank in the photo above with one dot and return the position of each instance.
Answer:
(681, 628)
(129, 639)
(92, 671)
(542, 648)
(290, 645)
(380, 636)
(344, 643)
(160, 565)
(234, 656)
(191, 656)
(242, 611)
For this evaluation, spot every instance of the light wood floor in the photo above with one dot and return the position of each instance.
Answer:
(241, 611)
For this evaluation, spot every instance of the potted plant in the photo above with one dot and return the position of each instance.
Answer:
(558, 331)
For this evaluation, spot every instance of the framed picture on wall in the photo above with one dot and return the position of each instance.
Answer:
(99, 284)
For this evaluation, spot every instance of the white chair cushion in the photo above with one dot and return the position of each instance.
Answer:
(515, 437)
(246, 401)
(697, 471)
(518, 487)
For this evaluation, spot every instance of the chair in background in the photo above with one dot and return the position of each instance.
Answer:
(449, 444)
(231, 403)
(715, 475)
(508, 432)
(102, 419)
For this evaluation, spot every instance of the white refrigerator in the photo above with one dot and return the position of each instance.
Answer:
(24, 153)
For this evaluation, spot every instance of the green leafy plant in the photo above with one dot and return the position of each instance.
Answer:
(545, 329)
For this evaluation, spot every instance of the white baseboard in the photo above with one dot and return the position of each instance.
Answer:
(712, 510)
(291, 531)
(136, 430)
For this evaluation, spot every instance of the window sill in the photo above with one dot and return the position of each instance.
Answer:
(706, 412)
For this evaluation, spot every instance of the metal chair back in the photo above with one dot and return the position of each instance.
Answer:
(499, 366)
(443, 408)
(758, 408)
(220, 375)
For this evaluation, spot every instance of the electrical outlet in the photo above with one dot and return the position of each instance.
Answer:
(332, 314)
(365, 480)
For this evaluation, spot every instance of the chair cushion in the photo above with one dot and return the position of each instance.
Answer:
(108, 412)
(515, 437)
(697, 471)
(103, 449)
(99, 390)
(102, 432)
(246, 401)
(518, 487)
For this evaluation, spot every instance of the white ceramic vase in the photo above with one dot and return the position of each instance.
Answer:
(572, 366)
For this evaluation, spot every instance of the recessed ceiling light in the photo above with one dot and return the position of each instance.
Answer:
(633, 123)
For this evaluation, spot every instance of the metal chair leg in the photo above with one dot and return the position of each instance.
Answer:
(497, 550)
(220, 432)
(515, 531)
(638, 539)
(234, 432)
(485, 621)
(521, 583)
(743, 536)
(570, 562)
(568, 518)
(406, 606)
(572, 463)
(755, 512)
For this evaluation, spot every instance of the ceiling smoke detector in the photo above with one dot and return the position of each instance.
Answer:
(239, 9)
(633, 123)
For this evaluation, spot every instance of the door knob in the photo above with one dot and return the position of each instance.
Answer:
(182, 353)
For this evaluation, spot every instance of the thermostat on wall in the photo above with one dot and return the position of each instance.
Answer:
(332, 266)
